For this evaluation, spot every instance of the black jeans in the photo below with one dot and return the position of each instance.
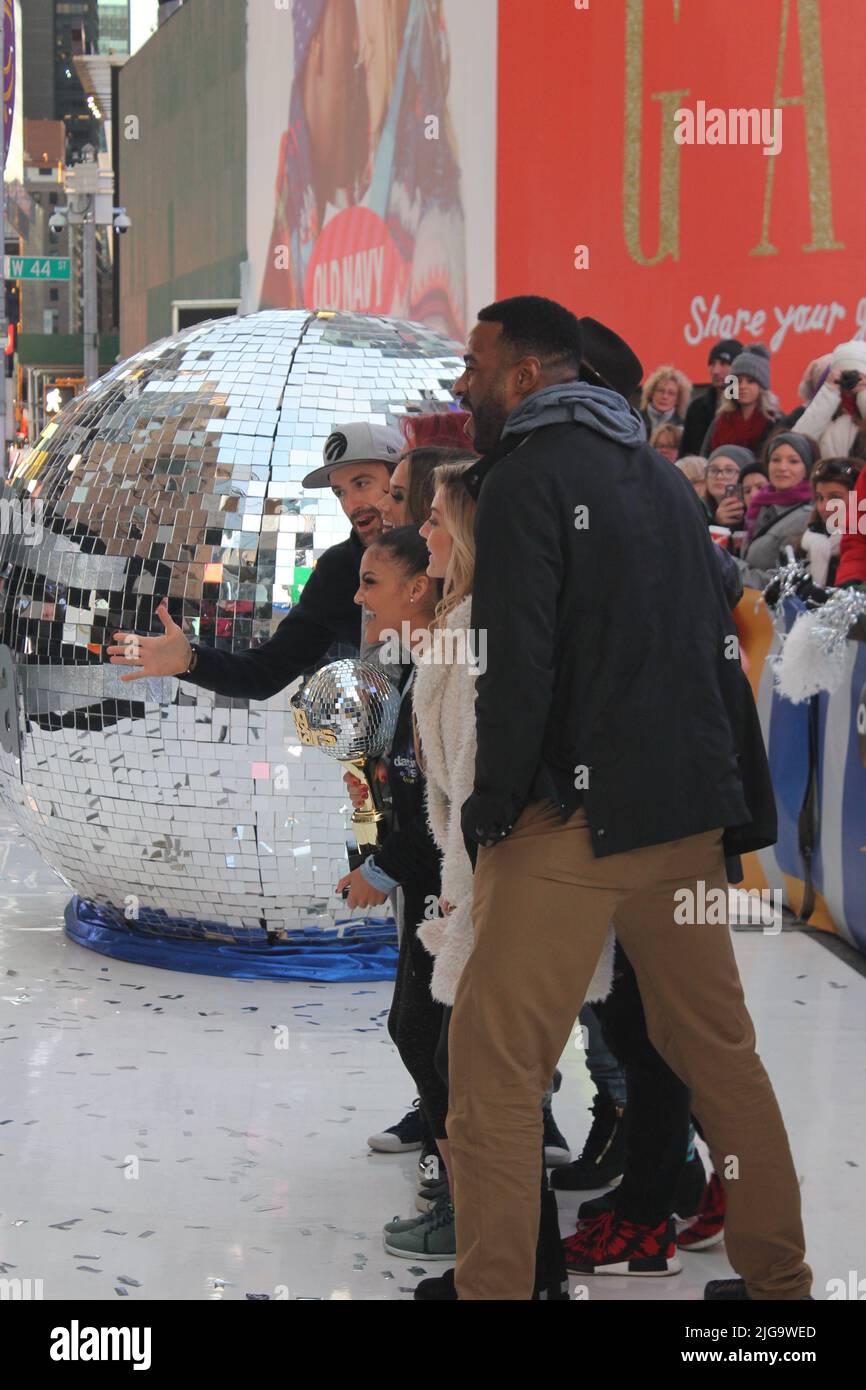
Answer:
(415, 1020)
(658, 1109)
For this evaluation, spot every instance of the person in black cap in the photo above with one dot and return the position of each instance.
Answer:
(359, 459)
(702, 411)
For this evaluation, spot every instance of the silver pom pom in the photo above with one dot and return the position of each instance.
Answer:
(815, 652)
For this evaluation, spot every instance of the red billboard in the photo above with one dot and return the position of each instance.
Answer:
(687, 171)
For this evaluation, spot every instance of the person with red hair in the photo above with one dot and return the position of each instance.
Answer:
(444, 429)
(430, 440)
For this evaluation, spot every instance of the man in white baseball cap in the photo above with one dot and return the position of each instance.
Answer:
(359, 461)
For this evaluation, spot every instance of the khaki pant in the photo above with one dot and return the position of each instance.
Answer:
(541, 907)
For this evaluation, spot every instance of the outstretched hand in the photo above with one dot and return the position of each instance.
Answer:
(165, 655)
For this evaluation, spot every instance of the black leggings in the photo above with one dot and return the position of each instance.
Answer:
(415, 1020)
(658, 1109)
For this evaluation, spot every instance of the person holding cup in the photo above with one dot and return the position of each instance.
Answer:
(724, 497)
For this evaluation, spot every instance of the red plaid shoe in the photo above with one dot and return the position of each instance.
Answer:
(708, 1227)
(609, 1245)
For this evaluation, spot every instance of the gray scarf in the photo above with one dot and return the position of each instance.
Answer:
(601, 410)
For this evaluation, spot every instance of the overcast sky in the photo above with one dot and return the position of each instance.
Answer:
(142, 21)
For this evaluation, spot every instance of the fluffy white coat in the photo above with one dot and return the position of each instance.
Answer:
(444, 703)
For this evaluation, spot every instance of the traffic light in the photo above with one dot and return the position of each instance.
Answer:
(13, 302)
(13, 313)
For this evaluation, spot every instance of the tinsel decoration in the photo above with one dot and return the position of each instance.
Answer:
(814, 654)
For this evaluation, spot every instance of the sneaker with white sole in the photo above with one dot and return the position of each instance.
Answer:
(401, 1138)
(608, 1245)
(431, 1238)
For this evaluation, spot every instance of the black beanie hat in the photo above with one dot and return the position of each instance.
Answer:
(724, 351)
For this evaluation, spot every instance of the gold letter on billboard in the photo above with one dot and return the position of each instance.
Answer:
(669, 163)
(817, 155)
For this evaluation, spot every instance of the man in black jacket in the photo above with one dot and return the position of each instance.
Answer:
(702, 410)
(359, 459)
(619, 758)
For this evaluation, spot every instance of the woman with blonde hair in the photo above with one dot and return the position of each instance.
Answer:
(748, 417)
(666, 441)
(444, 707)
(665, 398)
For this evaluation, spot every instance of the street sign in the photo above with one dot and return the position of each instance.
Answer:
(36, 267)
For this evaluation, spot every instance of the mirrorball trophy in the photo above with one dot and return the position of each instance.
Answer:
(349, 710)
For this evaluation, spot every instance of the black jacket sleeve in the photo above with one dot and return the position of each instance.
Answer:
(518, 576)
(731, 580)
(410, 854)
(325, 613)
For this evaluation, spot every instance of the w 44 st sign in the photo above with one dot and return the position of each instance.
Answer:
(36, 267)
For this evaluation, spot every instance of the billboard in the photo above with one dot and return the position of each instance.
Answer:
(371, 157)
(687, 171)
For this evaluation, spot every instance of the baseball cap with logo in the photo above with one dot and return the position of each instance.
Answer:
(357, 443)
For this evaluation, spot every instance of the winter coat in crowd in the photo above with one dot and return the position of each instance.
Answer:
(730, 427)
(774, 520)
(852, 551)
(444, 696)
(699, 418)
(653, 418)
(830, 424)
(819, 548)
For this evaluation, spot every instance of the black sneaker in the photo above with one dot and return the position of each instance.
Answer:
(718, 1290)
(603, 1156)
(400, 1138)
(442, 1288)
(432, 1180)
(687, 1202)
(430, 1193)
(556, 1150)
(597, 1206)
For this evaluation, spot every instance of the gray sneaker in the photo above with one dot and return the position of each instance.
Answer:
(431, 1238)
(402, 1223)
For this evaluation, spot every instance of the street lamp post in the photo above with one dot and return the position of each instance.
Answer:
(90, 192)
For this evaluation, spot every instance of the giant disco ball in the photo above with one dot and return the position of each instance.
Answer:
(179, 473)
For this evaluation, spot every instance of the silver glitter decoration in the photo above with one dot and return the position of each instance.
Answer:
(815, 653)
(356, 702)
(179, 473)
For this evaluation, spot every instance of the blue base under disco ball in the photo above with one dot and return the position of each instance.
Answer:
(175, 815)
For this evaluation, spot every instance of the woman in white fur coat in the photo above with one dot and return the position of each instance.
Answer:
(444, 703)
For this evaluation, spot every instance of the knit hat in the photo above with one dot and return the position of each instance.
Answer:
(800, 442)
(753, 363)
(741, 456)
(756, 466)
(724, 351)
(851, 357)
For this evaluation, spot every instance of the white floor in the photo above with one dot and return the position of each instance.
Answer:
(155, 1143)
